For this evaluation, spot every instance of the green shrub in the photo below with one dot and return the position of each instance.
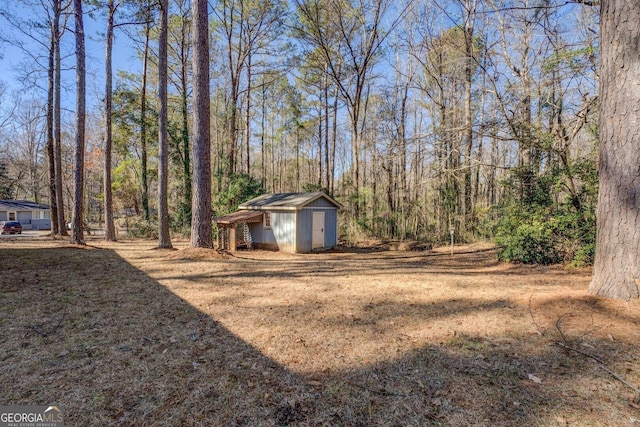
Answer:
(142, 229)
(540, 223)
(241, 187)
(530, 243)
(585, 255)
(546, 236)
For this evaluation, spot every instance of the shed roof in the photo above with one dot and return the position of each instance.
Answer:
(23, 205)
(239, 216)
(286, 201)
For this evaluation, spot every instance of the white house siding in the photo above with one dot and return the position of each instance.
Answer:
(36, 219)
(41, 224)
(24, 217)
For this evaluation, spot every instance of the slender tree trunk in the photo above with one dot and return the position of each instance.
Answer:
(476, 196)
(326, 132)
(468, 123)
(263, 129)
(201, 232)
(247, 123)
(334, 138)
(320, 140)
(526, 143)
(403, 144)
(355, 159)
(57, 131)
(143, 124)
(297, 137)
(109, 227)
(232, 131)
(186, 160)
(616, 272)
(50, 140)
(77, 234)
(164, 239)
(401, 194)
(273, 157)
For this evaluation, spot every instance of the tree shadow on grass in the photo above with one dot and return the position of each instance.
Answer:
(127, 351)
(111, 346)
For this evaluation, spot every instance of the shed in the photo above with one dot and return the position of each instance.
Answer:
(32, 215)
(290, 222)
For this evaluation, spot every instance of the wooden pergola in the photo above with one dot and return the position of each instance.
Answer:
(228, 227)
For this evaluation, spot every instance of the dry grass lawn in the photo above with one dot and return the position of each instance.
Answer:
(124, 334)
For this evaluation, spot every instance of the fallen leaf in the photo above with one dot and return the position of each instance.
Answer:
(535, 379)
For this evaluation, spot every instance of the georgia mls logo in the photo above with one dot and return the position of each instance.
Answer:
(31, 416)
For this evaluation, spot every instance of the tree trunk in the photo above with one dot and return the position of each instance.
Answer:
(297, 138)
(320, 138)
(164, 239)
(247, 123)
(616, 272)
(109, 228)
(468, 122)
(50, 140)
(57, 131)
(77, 234)
(326, 132)
(186, 160)
(201, 233)
(263, 129)
(334, 139)
(355, 155)
(232, 132)
(143, 124)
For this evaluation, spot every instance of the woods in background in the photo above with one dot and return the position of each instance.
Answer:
(418, 116)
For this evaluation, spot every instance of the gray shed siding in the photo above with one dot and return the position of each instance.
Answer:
(305, 227)
(281, 233)
(292, 221)
(320, 203)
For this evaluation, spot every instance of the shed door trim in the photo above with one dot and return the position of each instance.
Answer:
(317, 230)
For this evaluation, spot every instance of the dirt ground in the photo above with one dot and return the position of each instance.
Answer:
(125, 334)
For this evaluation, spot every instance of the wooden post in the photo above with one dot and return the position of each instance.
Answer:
(452, 231)
(232, 238)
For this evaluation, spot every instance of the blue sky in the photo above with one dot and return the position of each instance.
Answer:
(15, 62)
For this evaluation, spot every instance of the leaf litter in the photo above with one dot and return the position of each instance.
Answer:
(124, 335)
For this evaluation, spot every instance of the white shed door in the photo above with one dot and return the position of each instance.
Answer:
(317, 238)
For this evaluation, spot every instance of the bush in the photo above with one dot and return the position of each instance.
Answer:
(546, 236)
(142, 229)
(541, 224)
(241, 187)
(585, 255)
(530, 243)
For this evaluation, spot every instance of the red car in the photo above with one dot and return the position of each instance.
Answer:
(10, 227)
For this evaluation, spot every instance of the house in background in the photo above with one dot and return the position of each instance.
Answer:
(291, 222)
(32, 216)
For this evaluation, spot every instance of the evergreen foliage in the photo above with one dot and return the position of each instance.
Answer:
(5, 183)
(241, 187)
(539, 229)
